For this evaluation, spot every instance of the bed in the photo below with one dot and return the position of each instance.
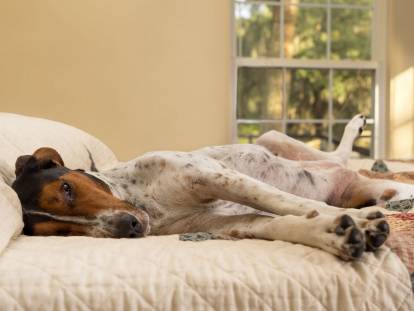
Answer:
(164, 273)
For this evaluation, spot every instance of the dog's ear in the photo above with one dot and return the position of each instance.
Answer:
(21, 163)
(42, 158)
(45, 154)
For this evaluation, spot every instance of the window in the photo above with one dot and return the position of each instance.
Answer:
(305, 67)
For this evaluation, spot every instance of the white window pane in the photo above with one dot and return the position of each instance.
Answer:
(307, 93)
(257, 30)
(353, 93)
(351, 34)
(354, 2)
(314, 135)
(305, 33)
(306, 1)
(248, 133)
(259, 93)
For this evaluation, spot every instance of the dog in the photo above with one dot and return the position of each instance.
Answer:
(276, 189)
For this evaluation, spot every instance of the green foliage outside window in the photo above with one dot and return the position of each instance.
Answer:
(260, 93)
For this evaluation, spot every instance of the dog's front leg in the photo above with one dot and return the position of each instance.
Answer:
(230, 185)
(337, 236)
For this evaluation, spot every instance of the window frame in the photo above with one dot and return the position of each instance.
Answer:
(377, 64)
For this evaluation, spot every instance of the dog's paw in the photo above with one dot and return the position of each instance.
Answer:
(376, 229)
(373, 223)
(350, 238)
(356, 126)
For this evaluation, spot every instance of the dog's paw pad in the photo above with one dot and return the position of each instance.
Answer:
(354, 245)
(375, 215)
(383, 226)
(355, 236)
(357, 252)
(376, 240)
(344, 222)
(376, 234)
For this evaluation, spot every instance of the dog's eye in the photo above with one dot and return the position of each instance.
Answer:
(67, 191)
(66, 187)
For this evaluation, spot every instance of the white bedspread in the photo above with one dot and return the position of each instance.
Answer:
(163, 273)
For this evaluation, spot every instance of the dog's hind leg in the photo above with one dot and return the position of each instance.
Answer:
(352, 130)
(289, 148)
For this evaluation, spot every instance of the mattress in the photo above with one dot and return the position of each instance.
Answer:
(163, 273)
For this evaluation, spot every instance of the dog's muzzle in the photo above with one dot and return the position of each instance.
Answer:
(124, 225)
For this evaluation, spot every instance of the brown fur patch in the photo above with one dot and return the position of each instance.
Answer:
(357, 196)
(361, 200)
(90, 198)
(240, 235)
(59, 228)
(312, 214)
(46, 153)
(207, 201)
(388, 194)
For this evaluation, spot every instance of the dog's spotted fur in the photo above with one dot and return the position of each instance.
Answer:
(234, 191)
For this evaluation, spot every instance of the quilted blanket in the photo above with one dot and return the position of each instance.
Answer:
(163, 273)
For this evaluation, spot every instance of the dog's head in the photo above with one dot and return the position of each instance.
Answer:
(60, 201)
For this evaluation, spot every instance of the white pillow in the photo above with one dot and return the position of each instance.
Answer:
(11, 223)
(20, 135)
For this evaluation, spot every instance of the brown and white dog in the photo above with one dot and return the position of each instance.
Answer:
(277, 189)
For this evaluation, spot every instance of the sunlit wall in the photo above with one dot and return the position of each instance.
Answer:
(401, 73)
(139, 74)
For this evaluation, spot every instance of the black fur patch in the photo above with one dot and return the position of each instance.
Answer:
(28, 185)
(93, 166)
(370, 202)
(306, 175)
(412, 280)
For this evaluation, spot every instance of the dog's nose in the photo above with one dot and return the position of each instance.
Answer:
(129, 226)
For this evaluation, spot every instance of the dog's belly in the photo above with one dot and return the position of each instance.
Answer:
(286, 175)
(230, 208)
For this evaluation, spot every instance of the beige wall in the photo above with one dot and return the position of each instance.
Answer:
(139, 74)
(149, 75)
(401, 72)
